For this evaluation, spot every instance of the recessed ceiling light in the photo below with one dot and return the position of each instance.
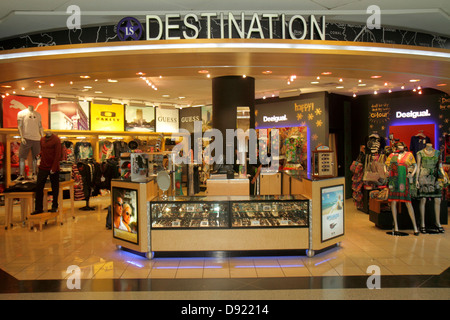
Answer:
(87, 87)
(441, 84)
(166, 96)
(84, 77)
(340, 87)
(267, 72)
(39, 81)
(203, 71)
(361, 84)
(5, 86)
(112, 80)
(140, 73)
(98, 91)
(414, 80)
(375, 77)
(326, 73)
(314, 82)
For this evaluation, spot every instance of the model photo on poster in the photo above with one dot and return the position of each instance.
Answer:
(125, 214)
(332, 208)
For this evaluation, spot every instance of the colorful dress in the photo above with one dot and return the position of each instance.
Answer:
(429, 173)
(398, 182)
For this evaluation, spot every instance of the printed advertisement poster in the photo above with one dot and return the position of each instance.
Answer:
(167, 120)
(332, 206)
(69, 115)
(107, 117)
(125, 214)
(13, 104)
(139, 119)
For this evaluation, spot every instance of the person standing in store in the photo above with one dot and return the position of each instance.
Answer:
(49, 166)
(30, 129)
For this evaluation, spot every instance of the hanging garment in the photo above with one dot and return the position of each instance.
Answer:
(106, 150)
(418, 143)
(83, 151)
(68, 151)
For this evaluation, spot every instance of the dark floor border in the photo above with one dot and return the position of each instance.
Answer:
(9, 284)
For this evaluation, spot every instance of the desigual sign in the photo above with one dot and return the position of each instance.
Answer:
(412, 114)
(275, 118)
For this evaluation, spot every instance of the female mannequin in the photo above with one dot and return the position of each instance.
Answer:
(398, 183)
(429, 170)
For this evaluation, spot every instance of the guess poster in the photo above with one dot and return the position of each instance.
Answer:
(13, 104)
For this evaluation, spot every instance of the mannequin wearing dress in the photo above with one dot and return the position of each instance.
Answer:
(429, 169)
(398, 183)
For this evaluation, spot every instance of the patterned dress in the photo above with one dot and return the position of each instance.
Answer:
(429, 186)
(398, 182)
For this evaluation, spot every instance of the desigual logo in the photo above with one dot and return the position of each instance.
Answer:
(412, 114)
(275, 118)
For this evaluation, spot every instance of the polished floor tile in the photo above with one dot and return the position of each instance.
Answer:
(83, 241)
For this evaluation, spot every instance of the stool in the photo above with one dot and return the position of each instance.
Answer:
(62, 185)
(42, 218)
(26, 204)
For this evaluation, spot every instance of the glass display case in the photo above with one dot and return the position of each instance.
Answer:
(230, 212)
(287, 213)
(189, 212)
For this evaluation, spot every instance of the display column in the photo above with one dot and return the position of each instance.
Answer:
(228, 93)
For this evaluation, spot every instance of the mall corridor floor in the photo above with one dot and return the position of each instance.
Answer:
(36, 265)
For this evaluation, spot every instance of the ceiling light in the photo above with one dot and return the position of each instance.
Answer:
(402, 87)
(208, 75)
(165, 96)
(71, 82)
(340, 80)
(441, 84)
(87, 87)
(375, 77)
(375, 92)
(420, 92)
(390, 91)
(140, 73)
(354, 95)
(315, 82)
(244, 76)
(23, 88)
(359, 80)
(414, 80)
(361, 85)
(98, 91)
(340, 87)
(326, 73)
(112, 80)
(5, 86)
(39, 81)
(52, 84)
(84, 77)
(201, 71)
(318, 78)
(419, 88)
(385, 84)
(267, 72)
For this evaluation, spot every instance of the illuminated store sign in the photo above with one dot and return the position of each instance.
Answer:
(275, 118)
(412, 114)
(210, 25)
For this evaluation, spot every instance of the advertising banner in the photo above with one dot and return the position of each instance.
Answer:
(188, 116)
(13, 104)
(69, 115)
(167, 120)
(107, 117)
(332, 208)
(125, 214)
(139, 118)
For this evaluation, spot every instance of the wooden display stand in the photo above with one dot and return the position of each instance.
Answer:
(228, 187)
(26, 205)
(270, 184)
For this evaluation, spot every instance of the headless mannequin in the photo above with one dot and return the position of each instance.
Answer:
(21, 126)
(437, 200)
(401, 154)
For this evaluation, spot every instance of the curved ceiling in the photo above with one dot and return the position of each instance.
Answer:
(181, 74)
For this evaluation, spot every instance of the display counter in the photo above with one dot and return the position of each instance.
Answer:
(327, 224)
(228, 187)
(236, 223)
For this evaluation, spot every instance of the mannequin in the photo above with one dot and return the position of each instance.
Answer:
(398, 183)
(49, 166)
(429, 170)
(30, 130)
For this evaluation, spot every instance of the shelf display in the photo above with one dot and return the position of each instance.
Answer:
(229, 212)
(179, 214)
(323, 164)
(270, 214)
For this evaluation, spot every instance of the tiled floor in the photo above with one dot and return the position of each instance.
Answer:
(85, 242)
